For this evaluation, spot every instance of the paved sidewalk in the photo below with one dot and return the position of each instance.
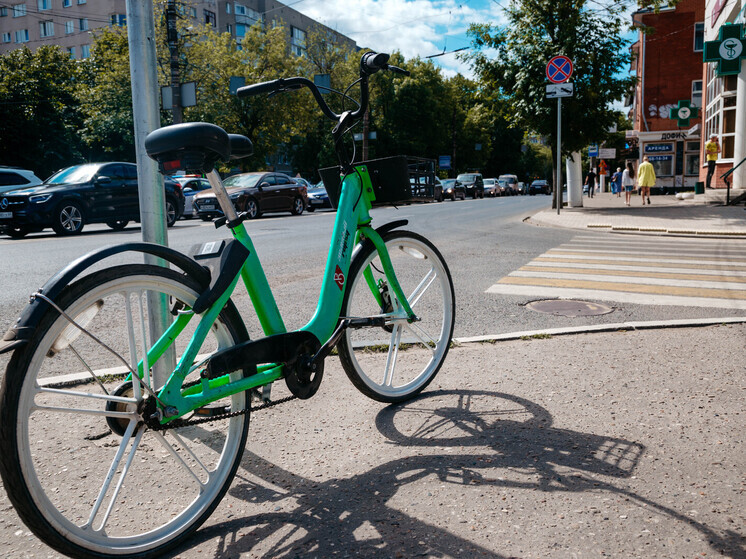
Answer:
(664, 215)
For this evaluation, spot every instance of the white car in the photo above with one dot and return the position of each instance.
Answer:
(12, 178)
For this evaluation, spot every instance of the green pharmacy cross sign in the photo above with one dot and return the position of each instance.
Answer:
(728, 50)
(683, 113)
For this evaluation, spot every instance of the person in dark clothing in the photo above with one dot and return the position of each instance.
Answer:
(590, 180)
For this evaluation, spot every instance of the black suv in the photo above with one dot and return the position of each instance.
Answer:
(473, 184)
(88, 193)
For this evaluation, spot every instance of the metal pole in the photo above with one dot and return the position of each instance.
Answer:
(141, 37)
(173, 48)
(558, 186)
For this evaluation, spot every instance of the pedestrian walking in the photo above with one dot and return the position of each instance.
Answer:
(712, 149)
(616, 182)
(628, 181)
(590, 180)
(645, 179)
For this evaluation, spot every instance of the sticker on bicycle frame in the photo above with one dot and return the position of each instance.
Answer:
(339, 277)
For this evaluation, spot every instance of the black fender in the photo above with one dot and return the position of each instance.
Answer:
(20, 333)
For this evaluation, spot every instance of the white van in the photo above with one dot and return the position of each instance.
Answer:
(510, 183)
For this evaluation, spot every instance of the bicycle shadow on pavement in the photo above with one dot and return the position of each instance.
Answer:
(515, 445)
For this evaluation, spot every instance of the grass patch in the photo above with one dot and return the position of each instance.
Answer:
(537, 337)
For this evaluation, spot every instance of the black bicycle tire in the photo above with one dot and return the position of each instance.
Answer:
(10, 466)
(343, 349)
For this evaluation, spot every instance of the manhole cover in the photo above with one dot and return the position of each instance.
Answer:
(568, 307)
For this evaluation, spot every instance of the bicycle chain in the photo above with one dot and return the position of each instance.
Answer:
(179, 423)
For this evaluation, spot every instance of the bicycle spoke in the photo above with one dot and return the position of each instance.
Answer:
(423, 337)
(179, 460)
(145, 344)
(105, 397)
(388, 372)
(125, 469)
(422, 287)
(84, 411)
(132, 343)
(112, 471)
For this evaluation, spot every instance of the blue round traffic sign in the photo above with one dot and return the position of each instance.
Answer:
(559, 69)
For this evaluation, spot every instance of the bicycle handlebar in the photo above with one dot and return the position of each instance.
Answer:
(370, 63)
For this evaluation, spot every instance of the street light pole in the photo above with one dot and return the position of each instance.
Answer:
(173, 49)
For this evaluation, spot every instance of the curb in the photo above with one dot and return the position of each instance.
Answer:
(679, 323)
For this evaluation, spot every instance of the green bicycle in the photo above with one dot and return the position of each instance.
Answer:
(101, 458)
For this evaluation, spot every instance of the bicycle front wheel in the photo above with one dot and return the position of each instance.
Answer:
(79, 464)
(394, 362)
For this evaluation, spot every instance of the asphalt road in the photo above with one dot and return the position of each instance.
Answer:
(623, 444)
(482, 241)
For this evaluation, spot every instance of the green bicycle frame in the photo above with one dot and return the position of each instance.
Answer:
(351, 225)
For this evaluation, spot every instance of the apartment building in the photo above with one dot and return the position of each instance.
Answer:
(668, 65)
(69, 23)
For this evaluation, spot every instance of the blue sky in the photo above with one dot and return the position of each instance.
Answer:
(414, 27)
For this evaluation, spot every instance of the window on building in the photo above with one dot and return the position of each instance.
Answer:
(6, 38)
(3, 11)
(118, 20)
(241, 30)
(227, 7)
(67, 3)
(193, 12)
(696, 93)
(71, 51)
(229, 28)
(44, 5)
(69, 27)
(19, 10)
(210, 18)
(720, 114)
(46, 29)
(21, 36)
(691, 159)
(297, 41)
(240, 10)
(85, 51)
(699, 36)
(83, 24)
(81, 1)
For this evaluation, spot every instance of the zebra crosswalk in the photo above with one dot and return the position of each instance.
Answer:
(641, 270)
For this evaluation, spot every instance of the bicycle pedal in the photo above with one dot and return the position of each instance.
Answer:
(212, 411)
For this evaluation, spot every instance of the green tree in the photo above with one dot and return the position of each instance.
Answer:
(106, 98)
(536, 31)
(39, 117)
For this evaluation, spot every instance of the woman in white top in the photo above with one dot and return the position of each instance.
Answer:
(628, 181)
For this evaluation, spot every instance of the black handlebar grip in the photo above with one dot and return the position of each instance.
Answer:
(371, 62)
(259, 88)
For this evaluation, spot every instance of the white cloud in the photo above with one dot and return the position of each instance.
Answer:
(414, 27)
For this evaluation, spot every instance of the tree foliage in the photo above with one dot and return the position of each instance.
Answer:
(39, 111)
(512, 60)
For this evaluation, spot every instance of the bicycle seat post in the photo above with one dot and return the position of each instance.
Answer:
(222, 196)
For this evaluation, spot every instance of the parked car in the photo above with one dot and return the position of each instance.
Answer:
(318, 198)
(190, 185)
(491, 188)
(453, 189)
(539, 187)
(88, 193)
(428, 188)
(303, 182)
(473, 184)
(510, 182)
(255, 194)
(13, 178)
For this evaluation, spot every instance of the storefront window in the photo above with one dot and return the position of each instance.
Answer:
(720, 116)
(663, 165)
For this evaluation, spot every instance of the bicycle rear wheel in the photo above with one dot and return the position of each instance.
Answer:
(397, 361)
(83, 489)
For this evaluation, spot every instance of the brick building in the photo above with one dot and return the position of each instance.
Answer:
(668, 64)
(68, 23)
